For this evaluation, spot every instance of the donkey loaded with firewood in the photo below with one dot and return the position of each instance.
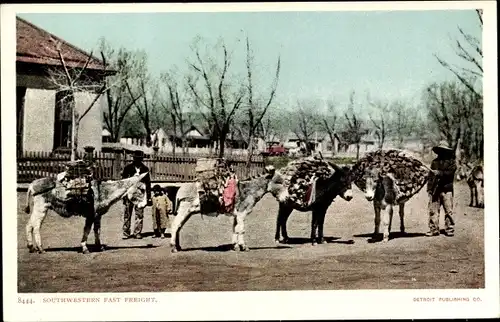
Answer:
(217, 191)
(389, 178)
(75, 192)
(309, 184)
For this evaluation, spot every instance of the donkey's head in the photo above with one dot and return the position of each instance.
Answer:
(343, 181)
(373, 177)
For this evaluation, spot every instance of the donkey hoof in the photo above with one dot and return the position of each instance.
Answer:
(244, 248)
(31, 248)
(314, 243)
(175, 249)
(41, 251)
(236, 247)
(385, 239)
(85, 251)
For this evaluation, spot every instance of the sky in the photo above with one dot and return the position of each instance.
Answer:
(324, 55)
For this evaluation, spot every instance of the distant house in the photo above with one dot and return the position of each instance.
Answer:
(43, 117)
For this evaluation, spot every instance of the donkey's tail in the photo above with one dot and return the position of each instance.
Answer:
(29, 198)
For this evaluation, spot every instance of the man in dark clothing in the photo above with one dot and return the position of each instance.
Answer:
(132, 169)
(440, 189)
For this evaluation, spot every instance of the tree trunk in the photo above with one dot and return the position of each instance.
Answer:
(74, 135)
(222, 141)
(250, 153)
(148, 137)
(357, 151)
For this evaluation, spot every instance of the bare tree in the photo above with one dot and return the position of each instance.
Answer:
(329, 122)
(74, 80)
(305, 122)
(455, 113)
(119, 100)
(255, 111)
(380, 119)
(214, 95)
(355, 125)
(469, 50)
(403, 121)
(147, 106)
(175, 108)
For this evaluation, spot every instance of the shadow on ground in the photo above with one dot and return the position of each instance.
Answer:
(229, 247)
(94, 248)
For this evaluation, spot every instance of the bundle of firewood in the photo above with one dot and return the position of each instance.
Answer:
(212, 174)
(78, 169)
(299, 174)
(409, 173)
(77, 178)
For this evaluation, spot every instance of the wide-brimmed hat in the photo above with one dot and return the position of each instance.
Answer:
(442, 147)
(138, 154)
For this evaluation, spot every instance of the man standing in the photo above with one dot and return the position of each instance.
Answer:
(440, 189)
(132, 169)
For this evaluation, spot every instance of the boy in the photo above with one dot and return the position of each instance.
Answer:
(160, 211)
(440, 189)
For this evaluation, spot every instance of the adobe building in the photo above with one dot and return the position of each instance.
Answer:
(43, 116)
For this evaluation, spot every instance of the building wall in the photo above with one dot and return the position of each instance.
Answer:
(39, 109)
(90, 131)
(39, 114)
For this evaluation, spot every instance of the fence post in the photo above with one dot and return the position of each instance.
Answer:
(117, 163)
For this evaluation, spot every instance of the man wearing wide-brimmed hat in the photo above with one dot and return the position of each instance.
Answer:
(132, 169)
(440, 189)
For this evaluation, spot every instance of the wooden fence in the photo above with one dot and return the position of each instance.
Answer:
(109, 166)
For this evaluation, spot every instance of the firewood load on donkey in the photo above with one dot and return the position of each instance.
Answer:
(217, 191)
(389, 178)
(309, 184)
(75, 193)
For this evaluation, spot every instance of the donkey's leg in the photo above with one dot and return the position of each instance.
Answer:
(89, 221)
(34, 225)
(321, 222)
(40, 209)
(284, 218)
(97, 232)
(234, 239)
(479, 193)
(314, 226)
(183, 213)
(376, 206)
(386, 221)
(471, 188)
(240, 230)
(277, 235)
(402, 217)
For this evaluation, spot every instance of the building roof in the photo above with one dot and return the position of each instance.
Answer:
(35, 45)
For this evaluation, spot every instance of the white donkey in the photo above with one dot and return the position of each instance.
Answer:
(48, 193)
(249, 193)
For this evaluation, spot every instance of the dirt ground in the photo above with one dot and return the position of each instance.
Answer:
(347, 261)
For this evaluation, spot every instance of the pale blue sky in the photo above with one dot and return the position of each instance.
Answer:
(389, 54)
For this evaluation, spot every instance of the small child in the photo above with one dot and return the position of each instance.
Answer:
(160, 211)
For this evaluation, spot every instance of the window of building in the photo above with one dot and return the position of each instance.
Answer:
(62, 122)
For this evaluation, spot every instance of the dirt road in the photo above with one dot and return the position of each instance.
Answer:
(347, 261)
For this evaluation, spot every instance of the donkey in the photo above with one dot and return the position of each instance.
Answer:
(475, 180)
(249, 193)
(48, 193)
(339, 184)
(382, 190)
